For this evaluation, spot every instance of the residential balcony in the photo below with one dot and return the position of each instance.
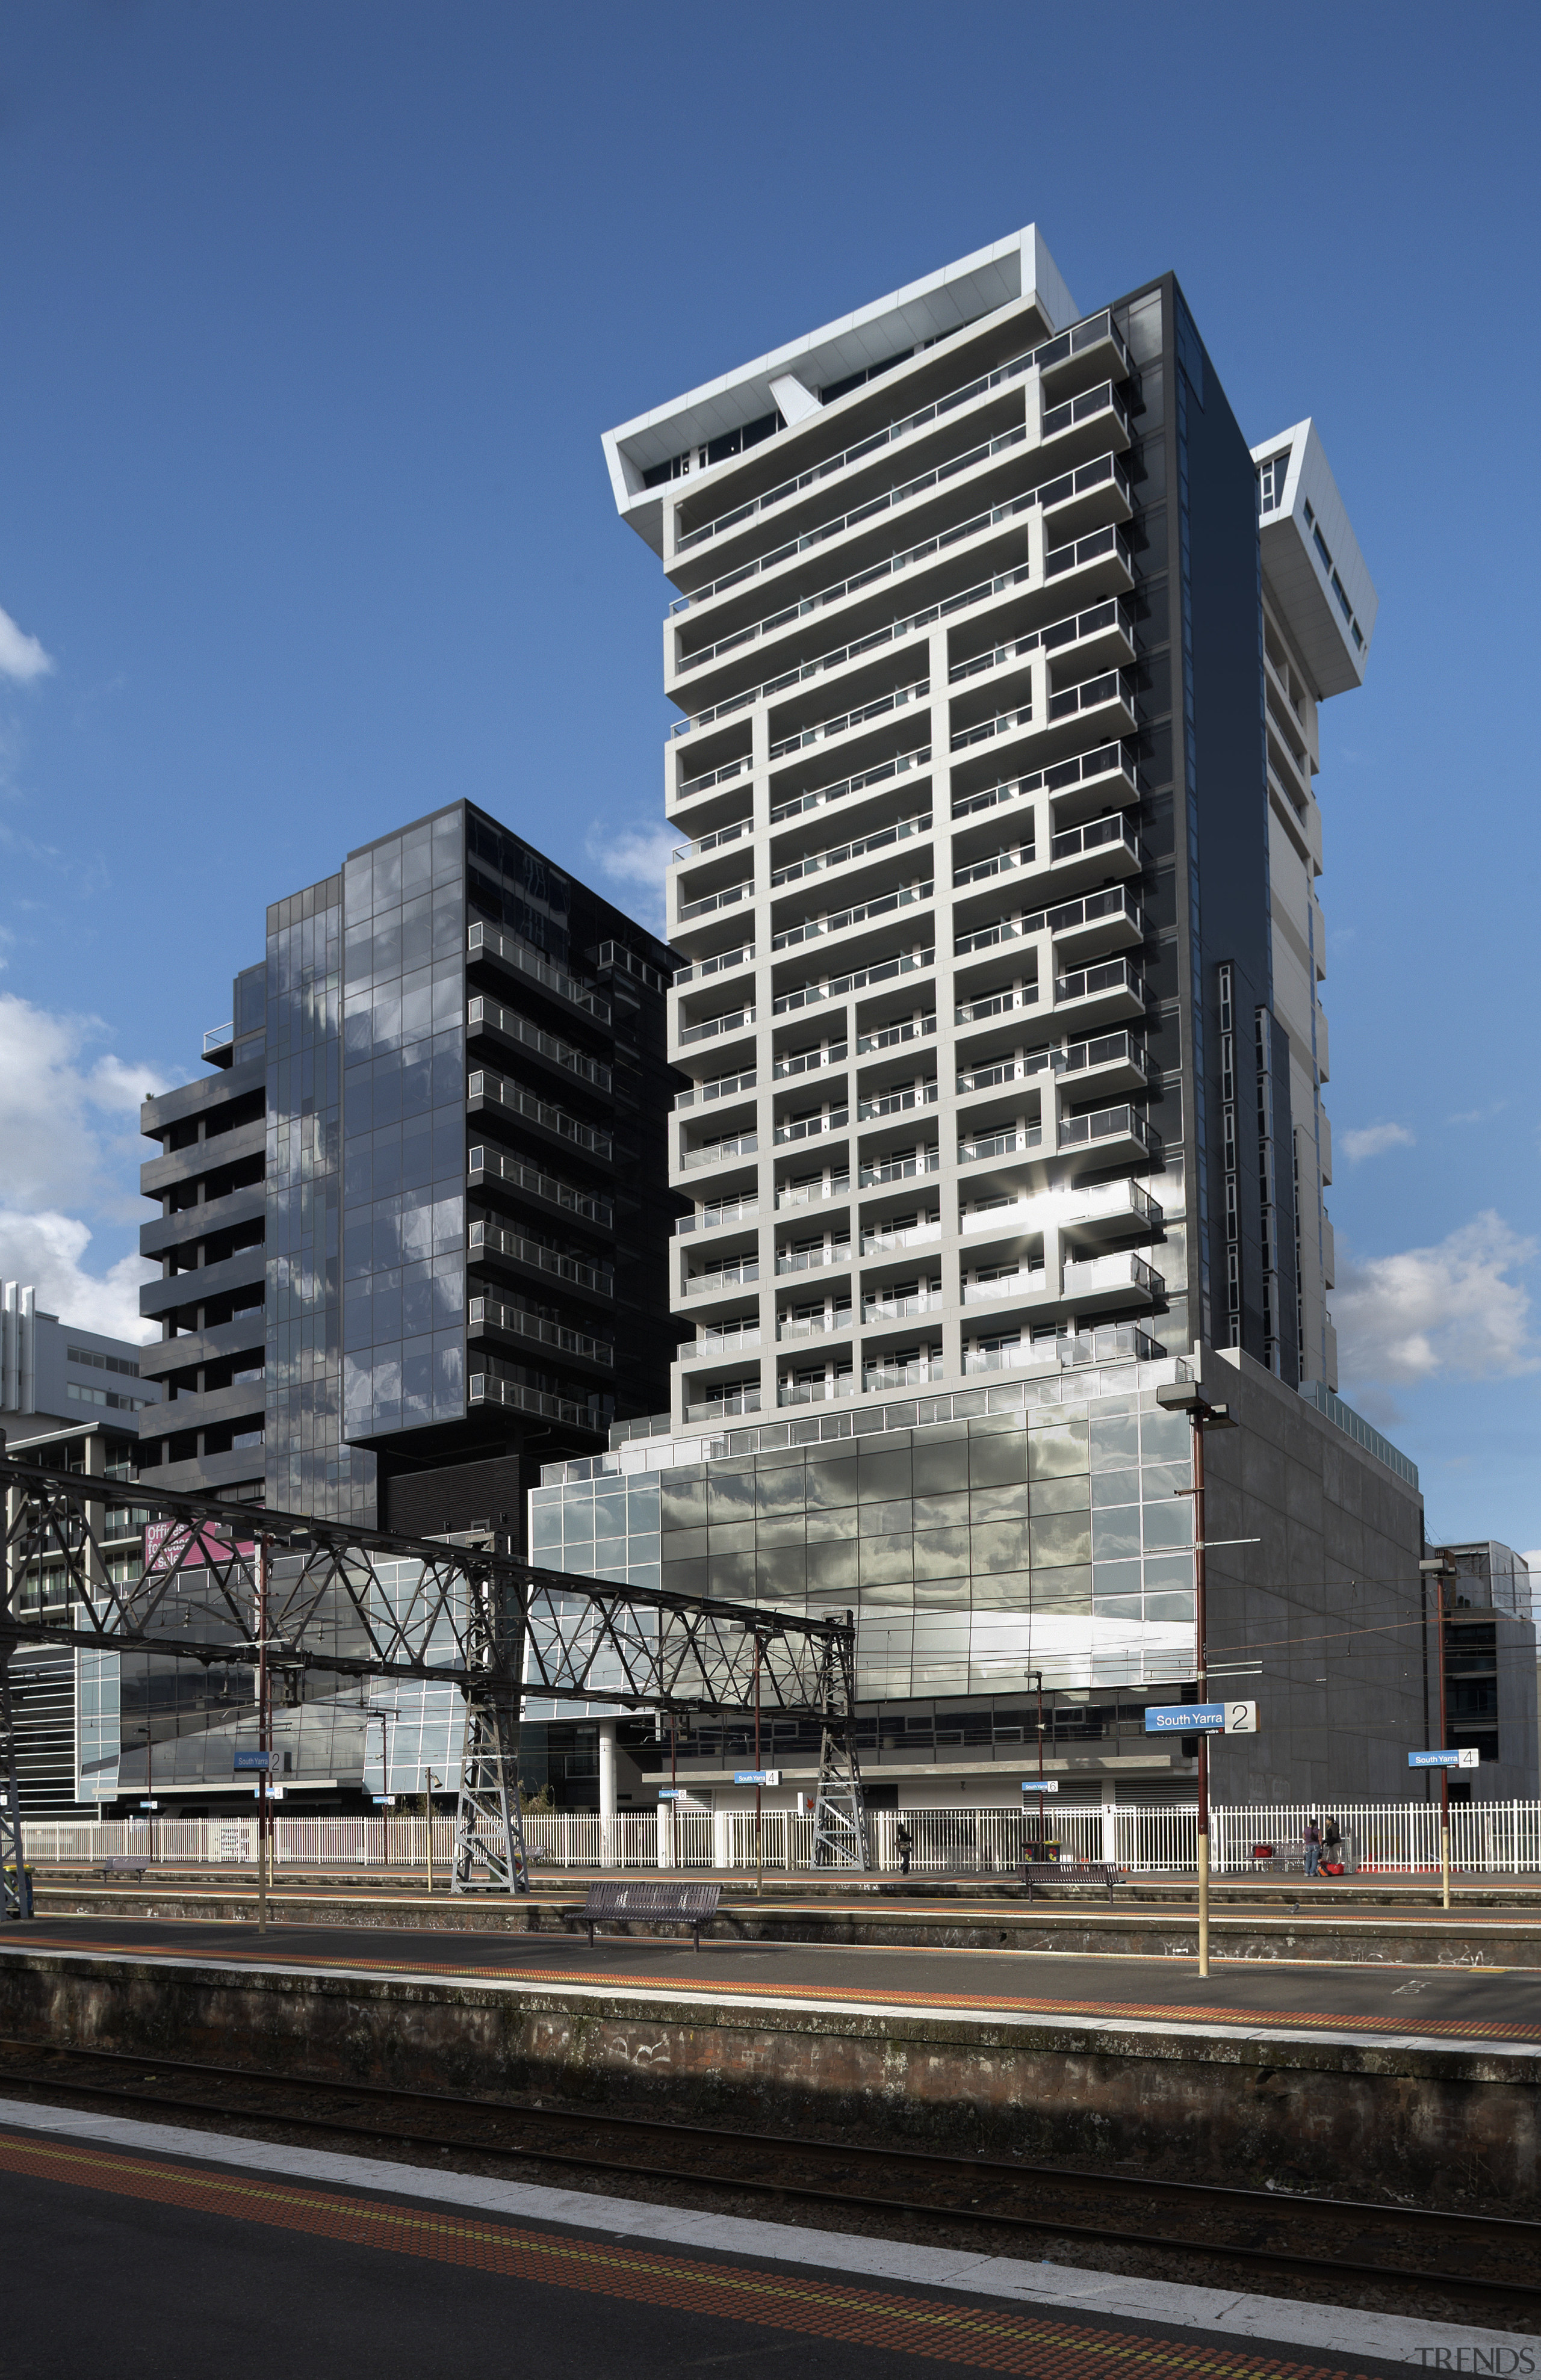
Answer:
(714, 1346)
(878, 1309)
(864, 913)
(732, 896)
(1121, 1279)
(726, 1087)
(880, 1240)
(1008, 862)
(1093, 922)
(483, 941)
(732, 1147)
(814, 1325)
(892, 1037)
(1079, 787)
(1087, 420)
(1094, 496)
(793, 1195)
(1104, 632)
(1106, 1342)
(1015, 1140)
(895, 1102)
(815, 1392)
(840, 723)
(1111, 1137)
(795, 1260)
(901, 1376)
(744, 1399)
(987, 1006)
(723, 963)
(820, 797)
(899, 1169)
(1104, 559)
(811, 995)
(1098, 994)
(706, 779)
(809, 1061)
(713, 1029)
(488, 1239)
(1108, 1210)
(812, 1127)
(1007, 1288)
(484, 1165)
(735, 831)
(1105, 701)
(740, 1274)
(1091, 854)
(496, 1094)
(1114, 1057)
(816, 863)
(720, 1214)
(510, 1025)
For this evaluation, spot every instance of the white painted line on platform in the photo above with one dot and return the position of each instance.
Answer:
(679, 1995)
(1339, 2330)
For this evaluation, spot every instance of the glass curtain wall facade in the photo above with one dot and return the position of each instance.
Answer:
(403, 1190)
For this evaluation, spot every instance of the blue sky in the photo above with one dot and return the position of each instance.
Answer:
(312, 317)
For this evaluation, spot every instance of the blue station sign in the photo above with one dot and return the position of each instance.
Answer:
(252, 1760)
(1186, 1718)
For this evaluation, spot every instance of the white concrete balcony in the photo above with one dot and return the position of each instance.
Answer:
(1106, 1342)
(1111, 1137)
(1097, 415)
(790, 1195)
(1104, 702)
(1090, 853)
(1026, 1282)
(1121, 1279)
(895, 1102)
(716, 1347)
(1095, 995)
(808, 1062)
(884, 1239)
(812, 1127)
(1095, 922)
(841, 921)
(1104, 632)
(732, 1147)
(918, 1373)
(1104, 562)
(894, 1037)
(811, 995)
(834, 1325)
(988, 1006)
(723, 963)
(1090, 497)
(732, 896)
(1108, 1210)
(720, 1214)
(692, 1035)
(817, 863)
(883, 1308)
(729, 1088)
(910, 1166)
(815, 1392)
(735, 831)
(789, 1261)
(730, 1282)
(1016, 1140)
(726, 1406)
(840, 723)
(1011, 861)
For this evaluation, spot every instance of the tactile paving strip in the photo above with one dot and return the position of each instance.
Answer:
(990, 2338)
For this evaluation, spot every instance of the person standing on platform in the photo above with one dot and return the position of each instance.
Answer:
(1332, 1845)
(904, 1843)
(1313, 1848)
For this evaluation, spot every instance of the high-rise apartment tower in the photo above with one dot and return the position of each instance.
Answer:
(998, 653)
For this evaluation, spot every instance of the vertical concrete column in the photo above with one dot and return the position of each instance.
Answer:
(607, 1828)
(721, 1839)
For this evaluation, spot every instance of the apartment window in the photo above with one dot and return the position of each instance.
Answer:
(89, 1357)
(1270, 481)
(79, 1396)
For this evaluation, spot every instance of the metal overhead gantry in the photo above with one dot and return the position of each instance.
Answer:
(195, 1578)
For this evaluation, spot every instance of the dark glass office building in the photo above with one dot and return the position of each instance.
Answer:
(414, 1219)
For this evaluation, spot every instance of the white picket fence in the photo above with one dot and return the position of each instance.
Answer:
(1152, 1839)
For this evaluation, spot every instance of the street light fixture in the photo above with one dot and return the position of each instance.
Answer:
(1185, 1396)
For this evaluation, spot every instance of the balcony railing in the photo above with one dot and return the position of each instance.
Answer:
(813, 930)
(900, 1375)
(914, 1028)
(489, 1238)
(1091, 694)
(1063, 918)
(789, 1261)
(1026, 1282)
(725, 834)
(726, 899)
(813, 1193)
(1110, 1124)
(1105, 399)
(996, 1003)
(721, 1277)
(890, 567)
(814, 1325)
(1096, 326)
(809, 1061)
(899, 1169)
(838, 525)
(711, 1345)
(718, 1212)
(898, 1309)
(730, 769)
(1071, 630)
(884, 1239)
(808, 995)
(1097, 835)
(1086, 1275)
(515, 1027)
(523, 1103)
(839, 654)
(219, 1037)
(988, 728)
(1108, 760)
(489, 1313)
(515, 953)
(491, 1387)
(813, 1127)
(718, 966)
(824, 728)
(920, 1095)
(1015, 1143)
(1000, 863)
(822, 795)
(726, 1086)
(721, 1153)
(1076, 1057)
(1112, 975)
(884, 840)
(1082, 551)
(731, 1023)
(815, 1392)
(493, 1163)
(1106, 1342)
(723, 1407)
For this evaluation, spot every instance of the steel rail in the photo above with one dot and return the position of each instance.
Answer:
(1501, 2229)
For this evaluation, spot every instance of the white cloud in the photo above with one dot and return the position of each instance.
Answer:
(637, 855)
(46, 1249)
(21, 657)
(1373, 1140)
(1453, 1309)
(69, 1119)
(70, 1140)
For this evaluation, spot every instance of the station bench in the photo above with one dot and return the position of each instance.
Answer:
(691, 1904)
(121, 1863)
(1069, 1872)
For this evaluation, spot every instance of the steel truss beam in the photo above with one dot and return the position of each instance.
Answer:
(365, 1603)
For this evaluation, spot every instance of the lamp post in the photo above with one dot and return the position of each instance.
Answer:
(429, 1782)
(1440, 1571)
(1183, 1396)
(384, 1715)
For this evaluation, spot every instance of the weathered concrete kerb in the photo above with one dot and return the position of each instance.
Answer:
(1349, 2120)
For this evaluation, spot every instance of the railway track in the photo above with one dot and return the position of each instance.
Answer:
(1491, 2259)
